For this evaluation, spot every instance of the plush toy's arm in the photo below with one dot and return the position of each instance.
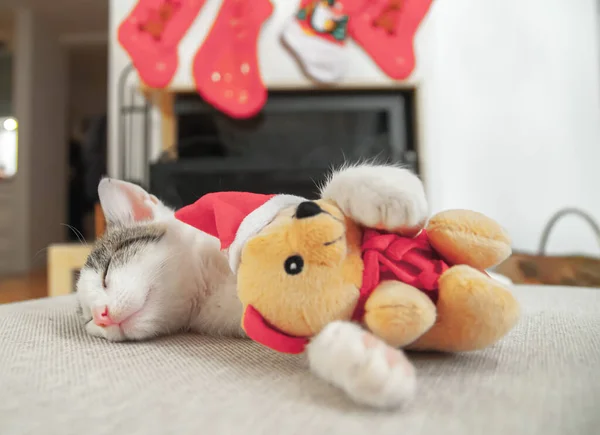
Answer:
(468, 237)
(399, 313)
(379, 196)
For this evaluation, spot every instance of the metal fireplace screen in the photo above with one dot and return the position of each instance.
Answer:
(288, 148)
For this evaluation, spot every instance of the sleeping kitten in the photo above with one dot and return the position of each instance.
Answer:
(152, 275)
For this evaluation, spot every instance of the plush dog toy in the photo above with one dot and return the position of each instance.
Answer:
(357, 274)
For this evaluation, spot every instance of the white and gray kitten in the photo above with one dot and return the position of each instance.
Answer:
(151, 275)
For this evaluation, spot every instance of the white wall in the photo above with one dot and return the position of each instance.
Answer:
(5, 83)
(513, 114)
(88, 84)
(509, 105)
(48, 155)
(6, 25)
(37, 194)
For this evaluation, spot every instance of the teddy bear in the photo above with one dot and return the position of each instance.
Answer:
(357, 276)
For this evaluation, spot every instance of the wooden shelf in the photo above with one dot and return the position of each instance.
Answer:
(64, 263)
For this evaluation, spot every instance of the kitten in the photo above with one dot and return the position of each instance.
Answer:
(151, 275)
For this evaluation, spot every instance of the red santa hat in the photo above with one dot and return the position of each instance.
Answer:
(234, 217)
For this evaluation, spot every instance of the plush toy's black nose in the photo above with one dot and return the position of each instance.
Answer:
(307, 209)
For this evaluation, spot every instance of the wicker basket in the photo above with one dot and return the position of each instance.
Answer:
(574, 270)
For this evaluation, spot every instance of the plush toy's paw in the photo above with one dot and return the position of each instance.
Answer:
(367, 369)
(399, 313)
(474, 311)
(468, 237)
(379, 196)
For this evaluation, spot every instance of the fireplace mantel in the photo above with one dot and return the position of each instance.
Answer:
(164, 100)
(296, 138)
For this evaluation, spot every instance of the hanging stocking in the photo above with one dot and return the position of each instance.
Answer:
(385, 29)
(226, 69)
(151, 34)
(317, 36)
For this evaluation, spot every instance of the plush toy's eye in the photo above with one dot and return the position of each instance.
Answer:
(293, 265)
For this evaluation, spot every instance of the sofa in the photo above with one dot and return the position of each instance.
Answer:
(543, 378)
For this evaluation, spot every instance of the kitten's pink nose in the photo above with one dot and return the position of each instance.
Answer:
(101, 317)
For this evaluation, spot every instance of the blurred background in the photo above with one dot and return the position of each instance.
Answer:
(500, 114)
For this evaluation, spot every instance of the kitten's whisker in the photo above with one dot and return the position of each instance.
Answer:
(38, 253)
(77, 233)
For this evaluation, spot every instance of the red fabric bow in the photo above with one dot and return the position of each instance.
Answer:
(388, 256)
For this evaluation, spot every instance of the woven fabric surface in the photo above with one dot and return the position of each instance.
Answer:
(544, 378)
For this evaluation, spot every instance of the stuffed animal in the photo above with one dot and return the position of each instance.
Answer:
(356, 275)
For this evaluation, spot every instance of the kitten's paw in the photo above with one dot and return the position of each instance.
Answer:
(384, 197)
(367, 369)
(110, 333)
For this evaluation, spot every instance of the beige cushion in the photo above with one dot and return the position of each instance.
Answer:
(54, 379)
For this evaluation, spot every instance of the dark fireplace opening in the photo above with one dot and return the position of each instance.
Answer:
(288, 147)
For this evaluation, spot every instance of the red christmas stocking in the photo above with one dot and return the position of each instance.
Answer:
(151, 34)
(385, 29)
(317, 36)
(226, 68)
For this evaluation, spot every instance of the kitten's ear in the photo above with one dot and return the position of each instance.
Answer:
(126, 203)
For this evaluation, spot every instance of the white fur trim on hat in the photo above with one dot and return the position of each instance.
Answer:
(256, 221)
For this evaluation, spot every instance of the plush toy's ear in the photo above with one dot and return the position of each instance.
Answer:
(126, 203)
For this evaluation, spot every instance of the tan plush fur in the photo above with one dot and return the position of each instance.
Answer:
(468, 237)
(326, 291)
(473, 311)
(399, 313)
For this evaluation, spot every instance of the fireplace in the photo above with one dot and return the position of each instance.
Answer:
(288, 147)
